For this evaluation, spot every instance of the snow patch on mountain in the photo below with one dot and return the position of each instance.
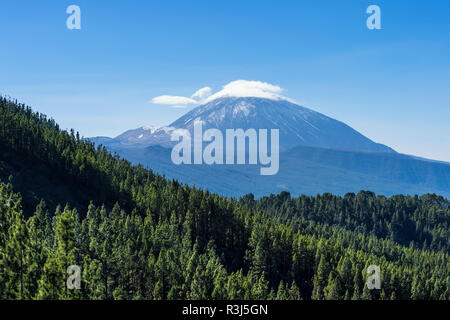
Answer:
(243, 107)
(152, 129)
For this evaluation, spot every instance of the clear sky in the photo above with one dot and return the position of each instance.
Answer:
(392, 85)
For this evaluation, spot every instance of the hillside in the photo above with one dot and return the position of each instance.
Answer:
(158, 239)
(305, 170)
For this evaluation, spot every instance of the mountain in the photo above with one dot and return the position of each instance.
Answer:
(140, 137)
(306, 170)
(318, 154)
(297, 125)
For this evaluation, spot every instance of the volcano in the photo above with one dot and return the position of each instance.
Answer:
(318, 154)
(298, 126)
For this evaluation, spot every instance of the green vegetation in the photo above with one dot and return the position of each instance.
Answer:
(136, 235)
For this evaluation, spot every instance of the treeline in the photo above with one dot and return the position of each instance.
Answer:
(158, 239)
(422, 222)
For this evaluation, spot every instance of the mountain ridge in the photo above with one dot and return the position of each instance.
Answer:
(297, 125)
(317, 154)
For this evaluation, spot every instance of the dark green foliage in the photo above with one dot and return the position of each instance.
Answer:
(419, 221)
(143, 237)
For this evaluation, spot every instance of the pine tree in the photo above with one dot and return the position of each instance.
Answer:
(53, 281)
(282, 292)
(333, 289)
(320, 280)
(14, 259)
(294, 292)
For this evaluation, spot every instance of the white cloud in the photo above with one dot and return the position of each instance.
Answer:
(238, 88)
(202, 93)
(245, 88)
(173, 100)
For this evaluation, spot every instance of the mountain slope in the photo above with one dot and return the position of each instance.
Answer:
(306, 170)
(297, 125)
(318, 154)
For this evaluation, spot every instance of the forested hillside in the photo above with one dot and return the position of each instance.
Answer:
(136, 235)
(418, 221)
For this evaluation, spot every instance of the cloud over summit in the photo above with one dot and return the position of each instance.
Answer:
(238, 88)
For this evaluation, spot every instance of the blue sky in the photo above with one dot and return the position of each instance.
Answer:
(392, 85)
